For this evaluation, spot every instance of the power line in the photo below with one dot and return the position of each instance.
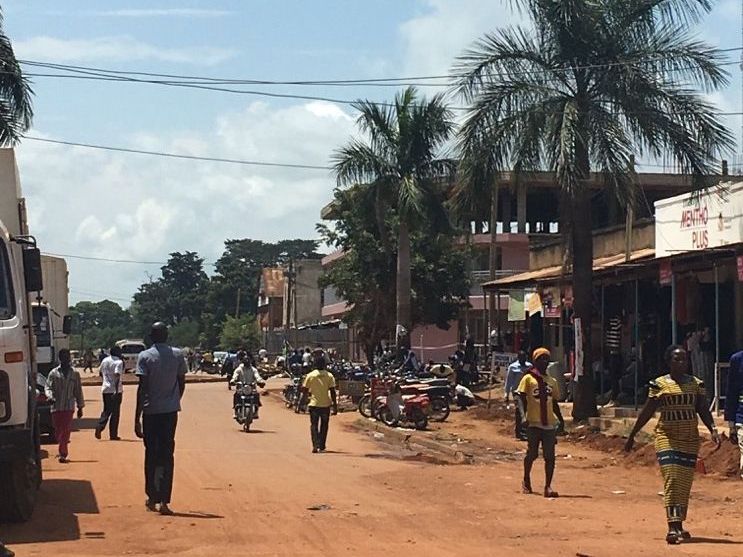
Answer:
(70, 256)
(178, 155)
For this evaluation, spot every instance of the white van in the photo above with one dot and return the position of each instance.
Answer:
(130, 350)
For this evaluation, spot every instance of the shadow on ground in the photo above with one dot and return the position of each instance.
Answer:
(55, 517)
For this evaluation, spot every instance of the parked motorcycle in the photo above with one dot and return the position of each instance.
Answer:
(247, 405)
(414, 409)
(439, 392)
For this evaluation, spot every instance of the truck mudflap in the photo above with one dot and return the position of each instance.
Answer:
(16, 443)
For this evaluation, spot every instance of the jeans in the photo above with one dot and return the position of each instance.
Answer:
(319, 422)
(62, 422)
(112, 411)
(159, 446)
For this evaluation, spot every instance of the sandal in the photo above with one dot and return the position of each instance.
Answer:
(673, 538)
(150, 506)
(550, 493)
(526, 488)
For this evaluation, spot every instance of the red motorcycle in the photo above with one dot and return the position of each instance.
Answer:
(398, 409)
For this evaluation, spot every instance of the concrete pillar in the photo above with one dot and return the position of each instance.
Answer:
(521, 208)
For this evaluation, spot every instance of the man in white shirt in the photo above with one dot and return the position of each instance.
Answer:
(112, 372)
(246, 374)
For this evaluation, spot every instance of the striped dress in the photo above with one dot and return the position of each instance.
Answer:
(677, 439)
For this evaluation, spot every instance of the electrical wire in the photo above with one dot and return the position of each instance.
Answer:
(178, 155)
(105, 259)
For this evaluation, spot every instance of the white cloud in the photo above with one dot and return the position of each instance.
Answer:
(446, 28)
(162, 12)
(119, 48)
(135, 207)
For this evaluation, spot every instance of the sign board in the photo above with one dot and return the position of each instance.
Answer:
(503, 359)
(665, 274)
(699, 220)
(578, 347)
(533, 303)
(739, 262)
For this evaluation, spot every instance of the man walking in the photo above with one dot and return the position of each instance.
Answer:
(514, 375)
(162, 381)
(319, 386)
(112, 371)
(64, 388)
(537, 395)
(734, 403)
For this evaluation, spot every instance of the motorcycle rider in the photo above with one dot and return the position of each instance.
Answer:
(295, 358)
(247, 374)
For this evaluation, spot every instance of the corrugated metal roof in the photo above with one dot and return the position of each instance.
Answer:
(599, 264)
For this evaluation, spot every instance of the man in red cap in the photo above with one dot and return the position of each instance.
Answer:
(537, 396)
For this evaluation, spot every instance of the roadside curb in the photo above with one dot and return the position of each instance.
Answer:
(410, 439)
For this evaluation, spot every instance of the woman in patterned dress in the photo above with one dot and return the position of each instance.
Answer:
(680, 398)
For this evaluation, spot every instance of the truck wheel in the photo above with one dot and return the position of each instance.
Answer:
(18, 484)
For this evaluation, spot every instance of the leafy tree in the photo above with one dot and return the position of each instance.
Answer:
(185, 333)
(16, 111)
(100, 323)
(365, 276)
(242, 332)
(399, 162)
(586, 86)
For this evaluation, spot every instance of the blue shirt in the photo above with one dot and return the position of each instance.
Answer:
(734, 392)
(162, 365)
(514, 374)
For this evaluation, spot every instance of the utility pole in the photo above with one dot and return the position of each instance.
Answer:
(289, 274)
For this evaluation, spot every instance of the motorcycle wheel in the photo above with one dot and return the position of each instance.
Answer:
(289, 397)
(385, 415)
(440, 410)
(365, 406)
(247, 418)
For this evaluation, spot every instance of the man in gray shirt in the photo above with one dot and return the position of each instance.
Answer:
(162, 380)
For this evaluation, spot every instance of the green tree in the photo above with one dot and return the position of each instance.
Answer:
(586, 86)
(16, 111)
(100, 323)
(398, 160)
(240, 333)
(365, 276)
(185, 333)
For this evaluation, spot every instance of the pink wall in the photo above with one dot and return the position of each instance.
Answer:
(437, 344)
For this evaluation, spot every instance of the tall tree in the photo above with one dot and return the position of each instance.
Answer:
(16, 110)
(586, 86)
(399, 160)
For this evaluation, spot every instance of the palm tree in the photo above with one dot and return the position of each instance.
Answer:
(399, 158)
(590, 84)
(15, 95)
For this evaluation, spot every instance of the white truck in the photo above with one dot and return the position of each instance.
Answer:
(51, 323)
(20, 276)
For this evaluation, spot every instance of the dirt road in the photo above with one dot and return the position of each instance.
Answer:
(249, 494)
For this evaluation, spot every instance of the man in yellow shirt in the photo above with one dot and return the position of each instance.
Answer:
(537, 396)
(319, 386)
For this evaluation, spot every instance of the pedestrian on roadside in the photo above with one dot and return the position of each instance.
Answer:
(112, 371)
(734, 403)
(514, 374)
(88, 360)
(680, 397)
(307, 358)
(162, 380)
(538, 394)
(319, 386)
(64, 388)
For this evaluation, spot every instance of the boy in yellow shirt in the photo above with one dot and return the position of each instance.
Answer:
(319, 386)
(537, 396)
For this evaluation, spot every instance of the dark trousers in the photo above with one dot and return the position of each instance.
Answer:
(159, 446)
(545, 437)
(615, 371)
(319, 422)
(112, 411)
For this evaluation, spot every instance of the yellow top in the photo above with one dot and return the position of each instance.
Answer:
(318, 383)
(530, 387)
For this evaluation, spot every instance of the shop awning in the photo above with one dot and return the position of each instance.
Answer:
(530, 278)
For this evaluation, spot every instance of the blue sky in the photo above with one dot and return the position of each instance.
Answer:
(133, 207)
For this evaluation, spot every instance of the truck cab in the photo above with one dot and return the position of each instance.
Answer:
(20, 462)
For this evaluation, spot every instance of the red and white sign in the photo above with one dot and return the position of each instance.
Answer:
(699, 220)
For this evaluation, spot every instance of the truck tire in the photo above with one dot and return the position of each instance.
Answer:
(19, 482)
